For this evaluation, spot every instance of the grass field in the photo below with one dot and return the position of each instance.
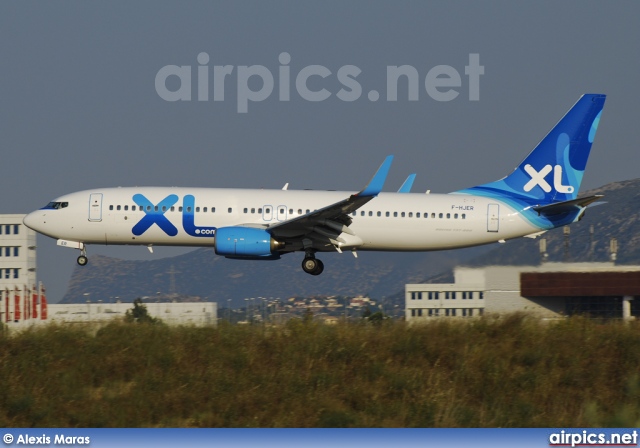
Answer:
(509, 372)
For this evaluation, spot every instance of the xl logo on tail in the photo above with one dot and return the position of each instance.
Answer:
(538, 178)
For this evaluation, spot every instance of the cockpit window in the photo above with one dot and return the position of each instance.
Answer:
(56, 205)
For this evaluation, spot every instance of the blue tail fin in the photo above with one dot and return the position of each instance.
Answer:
(553, 171)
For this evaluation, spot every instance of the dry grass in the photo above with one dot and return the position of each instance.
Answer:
(510, 372)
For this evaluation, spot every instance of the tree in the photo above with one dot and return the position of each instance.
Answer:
(140, 314)
(374, 317)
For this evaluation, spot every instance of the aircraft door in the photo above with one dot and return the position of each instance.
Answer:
(282, 212)
(267, 213)
(95, 207)
(493, 217)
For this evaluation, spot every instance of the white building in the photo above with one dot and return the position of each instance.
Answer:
(17, 253)
(499, 289)
(171, 313)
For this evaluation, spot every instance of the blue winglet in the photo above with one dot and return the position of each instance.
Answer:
(406, 186)
(377, 181)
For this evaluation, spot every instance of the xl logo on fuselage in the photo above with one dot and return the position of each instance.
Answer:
(154, 214)
(538, 178)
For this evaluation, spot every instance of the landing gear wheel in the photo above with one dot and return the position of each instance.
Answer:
(312, 266)
(318, 270)
(82, 260)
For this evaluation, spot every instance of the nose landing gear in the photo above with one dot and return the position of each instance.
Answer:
(82, 259)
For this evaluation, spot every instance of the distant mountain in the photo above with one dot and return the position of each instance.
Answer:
(203, 274)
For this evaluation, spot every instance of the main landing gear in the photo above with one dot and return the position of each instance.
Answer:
(311, 265)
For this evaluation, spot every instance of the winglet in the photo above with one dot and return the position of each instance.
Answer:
(377, 181)
(406, 186)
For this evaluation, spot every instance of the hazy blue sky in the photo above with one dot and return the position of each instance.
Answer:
(79, 107)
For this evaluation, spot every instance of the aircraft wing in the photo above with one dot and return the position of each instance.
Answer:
(324, 226)
(406, 186)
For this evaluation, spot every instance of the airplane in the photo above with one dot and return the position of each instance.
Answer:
(249, 224)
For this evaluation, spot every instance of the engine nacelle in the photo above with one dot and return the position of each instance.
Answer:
(245, 242)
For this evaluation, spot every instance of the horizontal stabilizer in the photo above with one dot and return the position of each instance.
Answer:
(566, 206)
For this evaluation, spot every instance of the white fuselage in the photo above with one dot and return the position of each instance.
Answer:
(389, 222)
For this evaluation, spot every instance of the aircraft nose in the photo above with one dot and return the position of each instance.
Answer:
(32, 220)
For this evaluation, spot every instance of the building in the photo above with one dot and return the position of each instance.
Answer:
(17, 253)
(549, 290)
(171, 313)
(21, 299)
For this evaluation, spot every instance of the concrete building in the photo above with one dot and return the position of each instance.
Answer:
(171, 313)
(17, 253)
(548, 290)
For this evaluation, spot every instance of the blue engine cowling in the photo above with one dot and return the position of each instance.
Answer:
(245, 242)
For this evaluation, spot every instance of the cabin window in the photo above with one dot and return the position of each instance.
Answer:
(410, 215)
(433, 215)
(260, 211)
(464, 216)
(362, 213)
(188, 209)
(197, 209)
(402, 215)
(204, 209)
(440, 215)
(370, 213)
(164, 208)
(418, 215)
(386, 214)
(230, 210)
(379, 213)
(213, 209)
(118, 207)
(448, 215)
(155, 208)
(455, 216)
(245, 210)
(111, 207)
(395, 214)
(180, 209)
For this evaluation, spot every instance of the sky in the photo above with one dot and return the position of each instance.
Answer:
(80, 106)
